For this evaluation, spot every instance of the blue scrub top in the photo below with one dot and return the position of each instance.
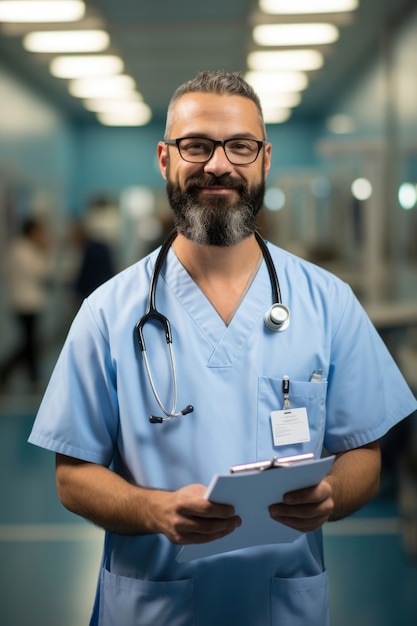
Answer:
(98, 401)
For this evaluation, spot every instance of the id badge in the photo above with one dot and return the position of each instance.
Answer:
(290, 426)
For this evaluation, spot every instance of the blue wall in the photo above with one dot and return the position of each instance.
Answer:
(37, 145)
(111, 159)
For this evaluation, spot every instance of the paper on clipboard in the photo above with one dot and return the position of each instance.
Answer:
(251, 493)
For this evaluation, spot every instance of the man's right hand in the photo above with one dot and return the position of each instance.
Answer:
(186, 517)
(108, 500)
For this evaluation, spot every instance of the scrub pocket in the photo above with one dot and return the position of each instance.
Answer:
(131, 602)
(300, 601)
(310, 395)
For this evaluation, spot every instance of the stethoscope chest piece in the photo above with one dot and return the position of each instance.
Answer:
(277, 318)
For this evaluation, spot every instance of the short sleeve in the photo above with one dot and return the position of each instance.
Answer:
(367, 394)
(78, 415)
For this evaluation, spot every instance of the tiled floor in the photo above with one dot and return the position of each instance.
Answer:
(49, 557)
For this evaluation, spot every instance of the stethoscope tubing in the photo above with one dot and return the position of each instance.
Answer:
(273, 277)
(273, 321)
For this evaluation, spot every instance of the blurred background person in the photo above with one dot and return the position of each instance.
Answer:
(28, 273)
(96, 263)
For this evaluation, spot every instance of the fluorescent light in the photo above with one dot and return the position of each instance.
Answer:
(107, 104)
(31, 11)
(85, 65)
(292, 7)
(361, 189)
(274, 199)
(276, 116)
(277, 82)
(138, 117)
(67, 41)
(407, 196)
(285, 60)
(341, 124)
(101, 87)
(283, 100)
(126, 108)
(295, 34)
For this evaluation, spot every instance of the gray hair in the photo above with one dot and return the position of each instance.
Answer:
(219, 82)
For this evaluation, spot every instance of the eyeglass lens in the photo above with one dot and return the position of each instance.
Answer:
(199, 150)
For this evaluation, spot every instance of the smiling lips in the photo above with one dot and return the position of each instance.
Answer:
(214, 185)
(216, 190)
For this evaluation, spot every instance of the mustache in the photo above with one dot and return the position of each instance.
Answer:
(225, 180)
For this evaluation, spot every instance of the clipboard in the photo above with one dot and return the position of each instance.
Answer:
(251, 492)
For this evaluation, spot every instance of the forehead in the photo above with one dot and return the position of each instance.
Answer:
(214, 115)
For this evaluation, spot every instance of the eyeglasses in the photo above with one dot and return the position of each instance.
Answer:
(239, 150)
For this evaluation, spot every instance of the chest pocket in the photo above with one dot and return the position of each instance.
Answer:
(311, 395)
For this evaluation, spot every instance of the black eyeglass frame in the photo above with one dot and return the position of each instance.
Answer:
(215, 143)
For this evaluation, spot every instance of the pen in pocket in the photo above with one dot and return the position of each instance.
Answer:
(316, 376)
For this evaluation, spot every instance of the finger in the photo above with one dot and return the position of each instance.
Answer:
(198, 530)
(301, 517)
(188, 538)
(310, 495)
(302, 524)
(302, 511)
(201, 525)
(190, 501)
(207, 509)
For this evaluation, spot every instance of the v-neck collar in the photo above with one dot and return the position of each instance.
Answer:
(227, 341)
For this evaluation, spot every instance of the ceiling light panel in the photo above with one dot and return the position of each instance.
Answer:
(86, 65)
(66, 41)
(295, 34)
(276, 116)
(281, 100)
(138, 117)
(341, 124)
(277, 82)
(304, 60)
(111, 105)
(33, 11)
(105, 104)
(101, 87)
(294, 7)
(131, 109)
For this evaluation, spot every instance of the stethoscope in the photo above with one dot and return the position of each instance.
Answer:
(277, 319)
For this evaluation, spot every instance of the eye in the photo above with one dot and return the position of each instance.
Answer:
(242, 146)
(196, 145)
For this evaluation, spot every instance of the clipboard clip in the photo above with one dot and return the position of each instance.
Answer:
(272, 463)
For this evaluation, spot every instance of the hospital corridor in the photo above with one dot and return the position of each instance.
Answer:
(89, 171)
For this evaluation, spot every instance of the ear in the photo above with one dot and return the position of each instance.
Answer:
(267, 158)
(162, 155)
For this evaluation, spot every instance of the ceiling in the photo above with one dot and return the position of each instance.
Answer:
(166, 42)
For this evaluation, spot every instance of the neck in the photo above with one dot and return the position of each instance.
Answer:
(204, 261)
(222, 274)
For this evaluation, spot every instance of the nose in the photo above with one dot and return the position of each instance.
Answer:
(218, 163)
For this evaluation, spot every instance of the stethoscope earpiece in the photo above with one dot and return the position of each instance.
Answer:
(155, 419)
(277, 318)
